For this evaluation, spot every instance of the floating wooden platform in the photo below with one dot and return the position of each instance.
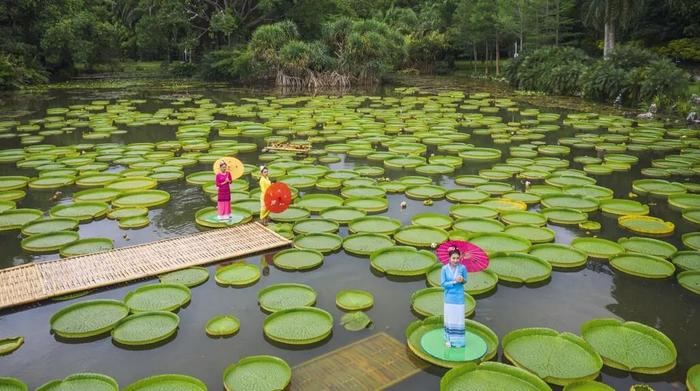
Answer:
(373, 363)
(42, 280)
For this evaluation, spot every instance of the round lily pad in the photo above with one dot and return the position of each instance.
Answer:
(374, 224)
(422, 192)
(690, 280)
(556, 358)
(467, 196)
(420, 235)
(684, 201)
(597, 247)
(519, 267)
(51, 182)
(582, 203)
(355, 321)
(167, 382)
(648, 246)
(402, 261)
(12, 384)
(430, 302)
(145, 328)
(587, 385)
(134, 222)
(98, 195)
(491, 376)
(82, 211)
(354, 299)
(319, 202)
(473, 211)
(523, 217)
(16, 218)
(618, 206)
(417, 329)
(559, 255)
(643, 265)
(692, 240)
(323, 242)
(565, 216)
(630, 346)
(86, 246)
(532, 233)
(687, 260)
(144, 199)
(9, 345)
(122, 213)
(298, 326)
(297, 259)
(315, 226)
(657, 187)
(342, 214)
(49, 242)
(287, 295)
(157, 297)
(208, 217)
(692, 215)
(190, 277)
(222, 325)
(432, 220)
(237, 274)
(369, 205)
(133, 184)
(47, 225)
(647, 225)
(366, 243)
(257, 373)
(82, 381)
(693, 378)
(500, 242)
(292, 213)
(88, 318)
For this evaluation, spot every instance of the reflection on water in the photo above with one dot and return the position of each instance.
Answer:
(563, 302)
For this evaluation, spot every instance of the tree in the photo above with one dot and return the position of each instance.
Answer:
(612, 16)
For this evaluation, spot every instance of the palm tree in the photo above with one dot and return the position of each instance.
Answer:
(611, 16)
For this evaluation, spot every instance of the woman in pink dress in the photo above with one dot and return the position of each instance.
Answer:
(223, 180)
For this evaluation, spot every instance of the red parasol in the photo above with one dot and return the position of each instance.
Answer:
(473, 257)
(278, 197)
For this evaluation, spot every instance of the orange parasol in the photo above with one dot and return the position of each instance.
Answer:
(235, 167)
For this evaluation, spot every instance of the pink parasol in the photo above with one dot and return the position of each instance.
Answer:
(473, 257)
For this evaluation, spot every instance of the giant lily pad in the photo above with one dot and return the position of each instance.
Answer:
(500, 242)
(648, 246)
(564, 216)
(157, 297)
(319, 202)
(647, 225)
(292, 213)
(49, 225)
(133, 184)
(430, 302)
(355, 321)
(473, 211)
(287, 295)
(693, 378)
(237, 274)
(523, 217)
(13, 182)
(518, 267)
(692, 240)
(687, 260)
(467, 196)
(82, 211)
(342, 214)
(532, 233)
(9, 345)
(422, 192)
(366, 243)
(82, 381)
(315, 226)
(402, 261)
(587, 385)
(420, 235)
(684, 201)
(51, 182)
(491, 376)
(657, 187)
(145, 328)
(222, 325)
(374, 224)
(478, 225)
(298, 326)
(582, 203)
(690, 280)
(643, 265)
(323, 242)
(190, 277)
(88, 318)
(97, 195)
(432, 220)
(354, 299)
(16, 218)
(144, 199)
(49, 242)
(297, 259)
(12, 384)
(257, 373)
(630, 346)
(556, 358)
(618, 206)
(597, 247)
(369, 205)
(167, 382)
(559, 255)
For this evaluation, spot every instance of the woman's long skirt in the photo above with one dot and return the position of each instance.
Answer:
(454, 325)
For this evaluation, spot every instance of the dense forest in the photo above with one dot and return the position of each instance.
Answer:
(339, 42)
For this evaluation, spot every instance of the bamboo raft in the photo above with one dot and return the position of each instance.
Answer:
(373, 363)
(301, 149)
(42, 280)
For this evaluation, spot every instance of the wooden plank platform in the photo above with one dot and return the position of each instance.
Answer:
(38, 281)
(373, 363)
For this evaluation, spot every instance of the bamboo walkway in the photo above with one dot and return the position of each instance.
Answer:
(42, 280)
(373, 363)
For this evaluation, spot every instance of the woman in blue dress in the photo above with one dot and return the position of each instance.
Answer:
(452, 278)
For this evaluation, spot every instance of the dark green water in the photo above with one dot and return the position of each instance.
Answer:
(563, 303)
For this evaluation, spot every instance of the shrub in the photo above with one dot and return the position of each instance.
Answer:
(554, 70)
(181, 68)
(14, 73)
(603, 82)
(228, 65)
(684, 49)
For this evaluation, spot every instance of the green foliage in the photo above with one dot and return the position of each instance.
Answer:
(684, 49)
(267, 41)
(603, 82)
(227, 64)
(14, 73)
(550, 69)
(426, 50)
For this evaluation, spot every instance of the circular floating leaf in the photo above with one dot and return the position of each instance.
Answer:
(467, 196)
(542, 352)
(374, 224)
(157, 297)
(222, 325)
(403, 261)
(133, 184)
(630, 346)
(9, 345)
(692, 215)
(559, 255)
(420, 235)
(315, 226)
(123, 213)
(49, 242)
(648, 246)
(430, 302)
(12, 384)
(88, 318)
(623, 207)
(145, 328)
(657, 187)
(167, 382)
(522, 217)
(82, 381)
(692, 379)
(208, 217)
(690, 280)
(16, 218)
(355, 321)
(51, 182)
(646, 225)
(692, 240)
(366, 243)
(323, 242)
(298, 326)
(190, 277)
(587, 385)
(642, 265)
(86, 246)
(319, 202)
(417, 329)
(473, 211)
(480, 155)
(237, 274)
(257, 373)
(363, 191)
(354, 299)
(47, 225)
(432, 220)
(532, 233)
(283, 296)
(423, 192)
(292, 213)
(491, 376)
(134, 222)
(97, 195)
(82, 211)
(297, 259)
(520, 268)
(342, 214)
(13, 182)
(687, 260)
(368, 205)
(500, 242)
(582, 203)
(565, 216)
(597, 247)
(684, 201)
(144, 199)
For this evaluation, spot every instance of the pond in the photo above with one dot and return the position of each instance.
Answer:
(349, 127)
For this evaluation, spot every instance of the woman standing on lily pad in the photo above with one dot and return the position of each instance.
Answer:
(452, 278)
(264, 185)
(223, 181)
